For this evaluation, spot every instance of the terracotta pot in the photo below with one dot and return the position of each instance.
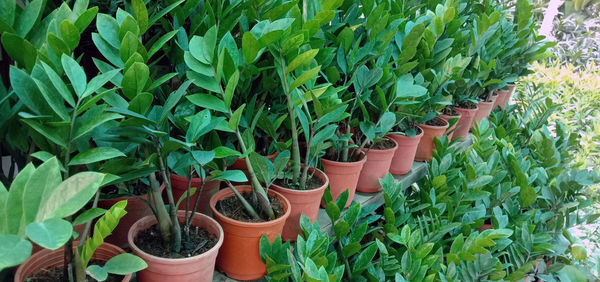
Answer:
(377, 166)
(483, 111)
(179, 185)
(450, 131)
(136, 209)
(240, 164)
(465, 122)
(504, 96)
(302, 202)
(343, 176)
(426, 146)
(196, 268)
(48, 259)
(405, 154)
(239, 257)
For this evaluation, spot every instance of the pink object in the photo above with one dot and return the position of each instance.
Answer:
(377, 166)
(196, 268)
(405, 154)
(302, 202)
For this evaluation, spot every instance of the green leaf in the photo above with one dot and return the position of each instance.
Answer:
(57, 45)
(230, 88)
(124, 264)
(97, 272)
(20, 50)
(161, 42)
(208, 83)
(108, 29)
(52, 233)
(135, 79)
(364, 258)
(480, 181)
(185, 196)
(140, 13)
(75, 74)
(304, 77)
(173, 100)
(302, 59)
(129, 46)
(53, 101)
(163, 12)
(69, 33)
(234, 121)
(88, 216)
(95, 155)
(70, 196)
(86, 18)
(128, 25)
(99, 81)
(197, 66)
(14, 249)
(28, 17)
(208, 101)
(223, 152)
(231, 175)
(198, 123)
(141, 103)
(7, 14)
(250, 47)
(341, 229)
(27, 91)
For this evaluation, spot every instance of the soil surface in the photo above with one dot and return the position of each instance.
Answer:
(467, 105)
(56, 274)
(450, 111)
(151, 242)
(231, 207)
(311, 183)
(435, 122)
(383, 145)
(112, 191)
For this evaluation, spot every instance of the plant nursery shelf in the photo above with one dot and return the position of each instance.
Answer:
(418, 171)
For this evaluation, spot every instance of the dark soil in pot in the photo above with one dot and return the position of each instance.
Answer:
(151, 242)
(383, 145)
(467, 105)
(231, 207)
(56, 274)
(450, 111)
(311, 183)
(436, 122)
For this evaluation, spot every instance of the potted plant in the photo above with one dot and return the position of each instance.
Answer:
(264, 210)
(43, 223)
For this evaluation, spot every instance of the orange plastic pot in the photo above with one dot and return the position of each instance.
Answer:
(483, 111)
(426, 146)
(302, 202)
(464, 123)
(405, 154)
(450, 131)
(504, 96)
(239, 257)
(179, 185)
(196, 268)
(377, 166)
(136, 209)
(343, 176)
(48, 259)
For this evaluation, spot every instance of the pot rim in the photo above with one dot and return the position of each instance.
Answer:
(46, 252)
(294, 191)
(383, 150)
(227, 192)
(486, 103)
(450, 116)
(162, 260)
(362, 160)
(416, 136)
(423, 126)
(466, 109)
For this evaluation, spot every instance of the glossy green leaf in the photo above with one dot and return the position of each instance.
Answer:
(304, 77)
(129, 46)
(52, 233)
(69, 34)
(95, 155)
(124, 264)
(28, 17)
(75, 74)
(97, 272)
(161, 42)
(14, 249)
(140, 13)
(234, 121)
(86, 18)
(102, 229)
(230, 88)
(250, 47)
(173, 100)
(135, 79)
(88, 216)
(20, 50)
(302, 59)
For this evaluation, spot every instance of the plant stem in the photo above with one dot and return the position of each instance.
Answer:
(68, 253)
(187, 204)
(162, 216)
(290, 108)
(245, 203)
(175, 228)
